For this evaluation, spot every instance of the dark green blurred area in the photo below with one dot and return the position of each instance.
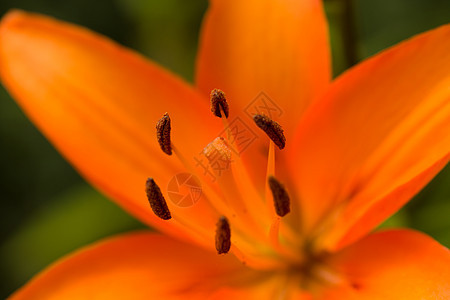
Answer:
(47, 210)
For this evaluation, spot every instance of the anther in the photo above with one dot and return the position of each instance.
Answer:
(272, 129)
(223, 236)
(280, 197)
(219, 103)
(163, 134)
(156, 200)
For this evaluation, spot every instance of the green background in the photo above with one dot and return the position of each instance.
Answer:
(47, 210)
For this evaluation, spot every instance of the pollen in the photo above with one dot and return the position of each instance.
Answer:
(280, 197)
(272, 129)
(156, 200)
(223, 236)
(219, 103)
(163, 134)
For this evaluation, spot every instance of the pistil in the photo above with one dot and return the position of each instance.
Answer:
(219, 156)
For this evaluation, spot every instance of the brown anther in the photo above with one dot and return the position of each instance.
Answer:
(281, 199)
(163, 134)
(223, 236)
(272, 129)
(156, 200)
(219, 103)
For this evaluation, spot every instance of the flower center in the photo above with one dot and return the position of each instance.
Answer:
(256, 226)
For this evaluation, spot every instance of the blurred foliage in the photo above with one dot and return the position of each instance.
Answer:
(78, 215)
(383, 23)
(47, 210)
(430, 210)
(167, 31)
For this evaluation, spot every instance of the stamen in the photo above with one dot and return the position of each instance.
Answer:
(163, 134)
(280, 197)
(219, 103)
(270, 172)
(272, 129)
(156, 200)
(282, 207)
(223, 236)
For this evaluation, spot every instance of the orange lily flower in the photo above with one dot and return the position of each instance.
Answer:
(357, 149)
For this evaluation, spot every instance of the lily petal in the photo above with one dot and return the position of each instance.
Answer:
(356, 227)
(279, 48)
(273, 289)
(382, 127)
(134, 266)
(98, 103)
(400, 264)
